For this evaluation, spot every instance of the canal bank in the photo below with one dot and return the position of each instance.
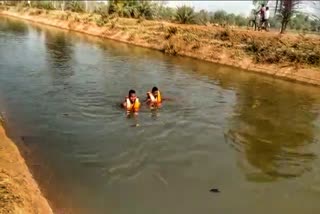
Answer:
(19, 193)
(290, 57)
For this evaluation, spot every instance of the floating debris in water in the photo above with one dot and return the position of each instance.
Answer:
(135, 125)
(215, 190)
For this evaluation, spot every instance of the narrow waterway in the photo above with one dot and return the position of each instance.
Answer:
(254, 138)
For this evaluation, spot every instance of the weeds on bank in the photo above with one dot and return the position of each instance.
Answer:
(132, 36)
(171, 31)
(140, 20)
(275, 51)
(223, 35)
(35, 12)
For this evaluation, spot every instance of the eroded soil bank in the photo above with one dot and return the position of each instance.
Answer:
(292, 57)
(19, 193)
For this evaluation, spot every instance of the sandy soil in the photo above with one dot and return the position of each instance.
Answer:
(19, 193)
(283, 56)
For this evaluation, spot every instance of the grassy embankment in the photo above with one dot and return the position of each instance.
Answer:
(293, 57)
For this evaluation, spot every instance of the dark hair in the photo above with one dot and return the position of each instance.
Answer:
(154, 89)
(132, 92)
(262, 5)
(267, 8)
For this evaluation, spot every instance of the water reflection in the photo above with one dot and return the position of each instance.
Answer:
(90, 159)
(272, 133)
(59, 52)
(14, 27)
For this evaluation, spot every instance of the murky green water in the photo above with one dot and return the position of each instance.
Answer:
(254, 138)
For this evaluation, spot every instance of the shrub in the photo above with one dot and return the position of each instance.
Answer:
(47, 5)
(185, 15)
(171, 31)
(103, 11)
(75, 6)
(35, 12)
(145, 9)
(223, 35)
(100, 22)
(113, 24)
(140, 19)
(164, 13)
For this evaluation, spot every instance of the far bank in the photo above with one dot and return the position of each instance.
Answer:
(290, 57)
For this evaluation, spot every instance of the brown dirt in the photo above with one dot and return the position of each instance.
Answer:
(19, 192)
(292, 57)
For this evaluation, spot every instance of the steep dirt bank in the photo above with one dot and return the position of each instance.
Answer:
(291, 57)
(19, 192)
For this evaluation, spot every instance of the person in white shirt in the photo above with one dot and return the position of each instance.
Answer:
(266, 23)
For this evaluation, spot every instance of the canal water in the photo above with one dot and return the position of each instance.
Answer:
(253, 138)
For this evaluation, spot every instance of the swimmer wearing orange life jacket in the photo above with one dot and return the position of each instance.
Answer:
(154, 97)
(131, 103)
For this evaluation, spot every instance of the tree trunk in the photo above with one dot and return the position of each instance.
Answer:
(284, 25)
(63, 5)
(86, 6)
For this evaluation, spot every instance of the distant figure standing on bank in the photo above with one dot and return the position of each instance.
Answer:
(254, 20)
(262, 12)
(266, 23)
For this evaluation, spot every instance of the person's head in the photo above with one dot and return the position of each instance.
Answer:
(267, 8)
(132, 95)
(155, 91)
(262, 5)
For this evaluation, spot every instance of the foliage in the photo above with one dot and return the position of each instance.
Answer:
(202, 17)
(132, 8)
(47, 5)
(287, 8)
(241, 20)
(220, 16)
(103, 11)
(185, 15)
(273, 51)
(75, 6)
(145, 9)
(287, 14)
(164, 13)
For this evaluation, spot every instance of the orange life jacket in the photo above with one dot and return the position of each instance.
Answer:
(156, 99)
(132, 106)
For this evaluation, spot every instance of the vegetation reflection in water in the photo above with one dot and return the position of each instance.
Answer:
(273, 132)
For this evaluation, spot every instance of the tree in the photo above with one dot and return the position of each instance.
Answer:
(260, 2)
(185, 15)
(286, 10)
(163, 12)
(203, 17)
(220, 16)
(231, 19)
(241, 20)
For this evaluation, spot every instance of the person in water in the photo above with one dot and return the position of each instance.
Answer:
(131, 103)
(154, 97)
